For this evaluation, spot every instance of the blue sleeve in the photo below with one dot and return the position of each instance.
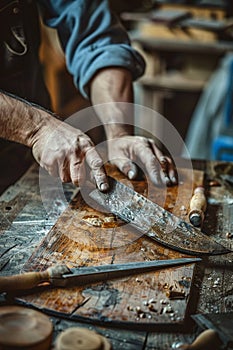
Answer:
(92, 38)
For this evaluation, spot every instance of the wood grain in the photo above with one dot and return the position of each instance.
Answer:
(140, 300)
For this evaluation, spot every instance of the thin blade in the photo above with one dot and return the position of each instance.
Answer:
(89, 274)
(154, 221)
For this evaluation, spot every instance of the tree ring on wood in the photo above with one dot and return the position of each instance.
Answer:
(23, 328)
(81, 339)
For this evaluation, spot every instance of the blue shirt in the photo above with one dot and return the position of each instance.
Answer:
(92, 39)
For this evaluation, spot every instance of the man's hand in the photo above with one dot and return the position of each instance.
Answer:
(127, 151)
(58, 147)
(124, 150)
(65, 152)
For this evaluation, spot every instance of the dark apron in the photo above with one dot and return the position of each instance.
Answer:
(21, 75)
(20, 70)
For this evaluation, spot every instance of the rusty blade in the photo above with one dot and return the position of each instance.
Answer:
(154, 221)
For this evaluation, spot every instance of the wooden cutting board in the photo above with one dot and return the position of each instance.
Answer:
(84, 236)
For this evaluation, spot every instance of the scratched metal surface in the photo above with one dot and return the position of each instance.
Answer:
(158, 224)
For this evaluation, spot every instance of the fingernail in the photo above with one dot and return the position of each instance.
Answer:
(174, 180)
(167, 181)
(104, 187)
(131, 174)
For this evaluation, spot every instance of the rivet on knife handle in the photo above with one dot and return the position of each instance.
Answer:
(154, 221)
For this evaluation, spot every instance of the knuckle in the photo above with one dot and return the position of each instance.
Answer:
(99, 175)
(77, 163)
(84, 142)
(95, 163)
(93, 159)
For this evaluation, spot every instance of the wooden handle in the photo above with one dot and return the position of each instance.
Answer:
(207, 340)
(23, 281)
(30, 280)
(78, 338)
(197, 207)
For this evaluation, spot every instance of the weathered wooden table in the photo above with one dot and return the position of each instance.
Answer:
(26, 221)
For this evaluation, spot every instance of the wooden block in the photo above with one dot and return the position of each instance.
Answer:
(23, 328)
(77, 338)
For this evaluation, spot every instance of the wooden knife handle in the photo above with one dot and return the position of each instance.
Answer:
(197, 207)
(24, 281)
(207, 340)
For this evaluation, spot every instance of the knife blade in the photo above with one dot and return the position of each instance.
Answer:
(89, 274)
(62, 276)
(154, 221)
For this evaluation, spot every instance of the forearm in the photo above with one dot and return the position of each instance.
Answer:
(109, 87)
(20, 121)
(58, 147)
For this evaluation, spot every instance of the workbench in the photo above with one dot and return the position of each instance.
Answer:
(25, 222)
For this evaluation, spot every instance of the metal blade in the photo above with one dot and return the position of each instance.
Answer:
(154, 221)
(89, 274)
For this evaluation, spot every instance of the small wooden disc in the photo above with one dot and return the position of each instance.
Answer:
(23, 328)
(77, 338)
(106, 343)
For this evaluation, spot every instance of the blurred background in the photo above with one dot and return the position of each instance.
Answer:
(183, 43)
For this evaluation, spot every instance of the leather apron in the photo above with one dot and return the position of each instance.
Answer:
(20, 69)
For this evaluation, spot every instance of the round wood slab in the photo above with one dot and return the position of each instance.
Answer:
(81, 339)
(23, 328)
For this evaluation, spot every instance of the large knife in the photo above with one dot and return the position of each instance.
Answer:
(154, 221)
(62, 276)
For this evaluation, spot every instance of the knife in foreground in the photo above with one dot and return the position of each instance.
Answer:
(62, 276)
(154, 221)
